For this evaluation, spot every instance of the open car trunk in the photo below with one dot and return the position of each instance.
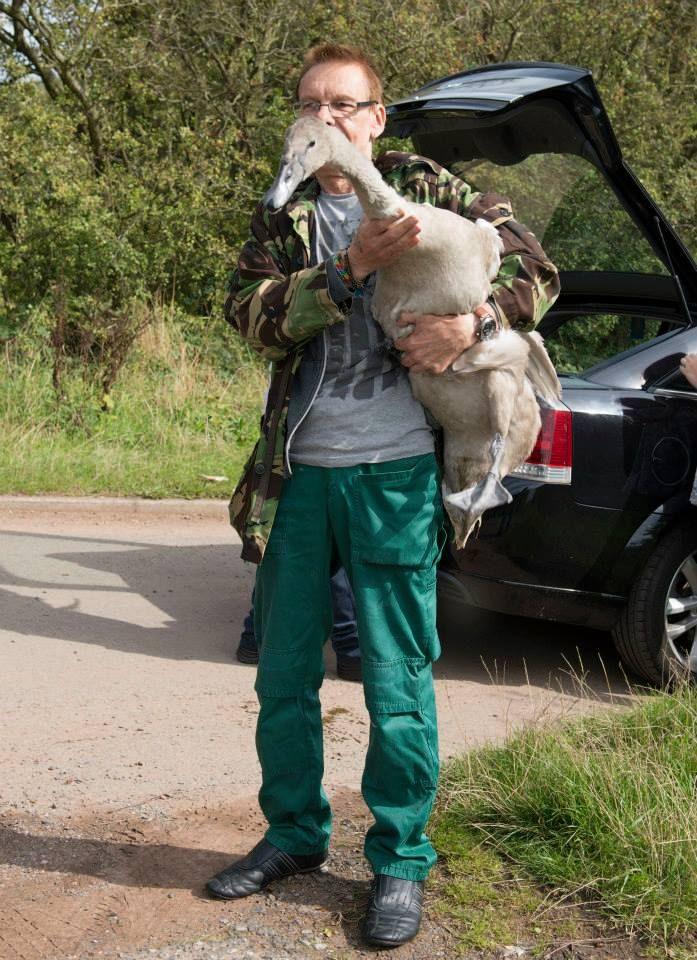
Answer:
(507, 113)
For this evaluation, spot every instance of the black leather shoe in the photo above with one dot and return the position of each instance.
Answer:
(349, 668)
(394, 911)
(264, 864)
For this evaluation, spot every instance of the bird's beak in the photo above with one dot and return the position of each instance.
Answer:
(290, 174)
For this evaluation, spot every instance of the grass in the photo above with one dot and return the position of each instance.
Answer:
(601, 810)
(185, 406)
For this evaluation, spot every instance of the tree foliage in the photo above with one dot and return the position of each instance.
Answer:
(135, 136)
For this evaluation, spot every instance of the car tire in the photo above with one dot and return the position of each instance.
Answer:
(654, 637)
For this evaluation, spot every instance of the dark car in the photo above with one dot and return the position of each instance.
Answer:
(600, 531)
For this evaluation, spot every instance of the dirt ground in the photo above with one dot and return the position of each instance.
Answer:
(128, 766)
(102, 885)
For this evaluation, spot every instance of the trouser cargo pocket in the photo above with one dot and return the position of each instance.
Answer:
(396, 540)
(397, 515)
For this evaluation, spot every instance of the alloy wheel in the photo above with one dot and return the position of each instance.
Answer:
(679, 647)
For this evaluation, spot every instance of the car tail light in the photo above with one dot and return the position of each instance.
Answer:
(550, 460)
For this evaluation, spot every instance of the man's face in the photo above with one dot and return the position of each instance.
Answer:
(345, 81)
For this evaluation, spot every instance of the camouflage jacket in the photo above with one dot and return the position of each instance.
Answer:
(278, 303)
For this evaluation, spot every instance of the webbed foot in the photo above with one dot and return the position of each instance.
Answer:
(466, 507)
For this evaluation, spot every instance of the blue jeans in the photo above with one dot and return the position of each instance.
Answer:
(344, 634)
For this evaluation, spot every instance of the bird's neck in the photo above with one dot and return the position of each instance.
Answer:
(375, 197)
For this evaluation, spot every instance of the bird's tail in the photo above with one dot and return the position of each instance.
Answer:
(540, 370)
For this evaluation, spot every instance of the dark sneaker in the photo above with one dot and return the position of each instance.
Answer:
(349, 668)
(247, 654)
(394, 911)
(264, 864)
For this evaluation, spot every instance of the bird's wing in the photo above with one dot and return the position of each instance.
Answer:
(506, 350)
(540, 370)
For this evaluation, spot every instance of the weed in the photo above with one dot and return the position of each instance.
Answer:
(600, 809)
(185, 406)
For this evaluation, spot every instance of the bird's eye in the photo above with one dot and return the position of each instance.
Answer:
(312, 143)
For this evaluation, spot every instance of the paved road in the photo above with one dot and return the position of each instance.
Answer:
(122, 701)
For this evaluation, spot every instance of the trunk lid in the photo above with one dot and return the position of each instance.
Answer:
(508, 112)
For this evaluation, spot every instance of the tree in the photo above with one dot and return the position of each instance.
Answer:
(143, 132)
(54, 40)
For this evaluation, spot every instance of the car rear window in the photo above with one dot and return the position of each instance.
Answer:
(577, 342)
(571, 210)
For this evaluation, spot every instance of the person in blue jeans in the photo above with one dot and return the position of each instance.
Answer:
(344, 634)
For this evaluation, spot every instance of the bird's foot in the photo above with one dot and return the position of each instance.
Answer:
(484, 495)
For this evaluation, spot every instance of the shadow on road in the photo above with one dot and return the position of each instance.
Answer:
(127, 864)
(516, 651)
(160, 600)
(188, 602)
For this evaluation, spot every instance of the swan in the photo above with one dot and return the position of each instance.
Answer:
(486, 401)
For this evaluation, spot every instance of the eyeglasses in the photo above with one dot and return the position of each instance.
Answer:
(337, 108)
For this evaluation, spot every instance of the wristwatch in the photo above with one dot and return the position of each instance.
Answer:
(488, 326)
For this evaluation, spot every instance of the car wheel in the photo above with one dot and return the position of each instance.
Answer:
(656, 636)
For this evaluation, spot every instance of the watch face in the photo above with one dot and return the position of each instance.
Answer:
(487, 328)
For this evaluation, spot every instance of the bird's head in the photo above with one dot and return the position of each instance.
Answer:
(309, 145)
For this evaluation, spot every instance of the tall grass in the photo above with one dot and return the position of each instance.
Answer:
(185, 406)
(604, 807)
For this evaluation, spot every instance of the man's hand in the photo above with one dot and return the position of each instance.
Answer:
(435, 341)
(378, 242)
(688, 368)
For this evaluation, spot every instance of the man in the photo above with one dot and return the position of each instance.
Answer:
(345, 472)
(344, 635)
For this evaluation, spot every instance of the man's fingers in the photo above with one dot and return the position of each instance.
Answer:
(392, 230)
(402, 228)
(384, 253)
(395, 228)
(381, 227)
(386, 224)
(392, 247)
(379, 242)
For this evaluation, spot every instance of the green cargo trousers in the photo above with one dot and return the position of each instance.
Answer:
(384, 523)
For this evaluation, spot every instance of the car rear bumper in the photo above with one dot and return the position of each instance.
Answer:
(597, 610)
